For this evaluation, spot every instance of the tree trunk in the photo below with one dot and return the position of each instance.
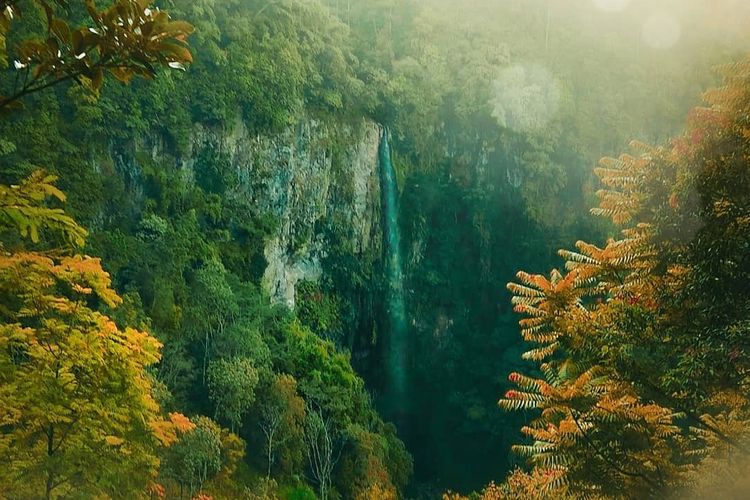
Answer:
(270, 454)
(323, 490)
(205, 358)
(50, 485)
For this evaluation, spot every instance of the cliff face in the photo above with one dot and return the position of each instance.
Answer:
(313, 178)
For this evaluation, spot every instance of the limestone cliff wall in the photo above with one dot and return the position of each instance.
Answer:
(313, 177)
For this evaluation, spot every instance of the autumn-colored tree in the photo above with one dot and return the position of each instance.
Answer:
(281, 416)
(519, 486)
(129, 38)
(376, 491)
(365, 467)
(642, 343)
(77, 410)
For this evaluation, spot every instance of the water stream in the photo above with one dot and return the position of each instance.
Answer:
(396, 350)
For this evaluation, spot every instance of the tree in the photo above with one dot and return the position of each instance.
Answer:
(21, 209)
(195, 457)
(642, 343)
(213, 308)
(376, 491)
(78, 414)
(282, 414)
(130, 38)
(323, 448)
(231, 385)
(77, 410)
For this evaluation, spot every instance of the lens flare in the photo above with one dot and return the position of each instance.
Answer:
(611, 5)
(661, 31)
(526, 97)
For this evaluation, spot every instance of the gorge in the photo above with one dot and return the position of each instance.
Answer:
(296, 239)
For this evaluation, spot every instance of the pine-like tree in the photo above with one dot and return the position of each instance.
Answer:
(642, 343)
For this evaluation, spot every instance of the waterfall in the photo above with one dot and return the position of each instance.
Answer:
(396, 315)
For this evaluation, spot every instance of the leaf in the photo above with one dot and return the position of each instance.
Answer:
(114, 441)
(97, 78)
(61, 29)
(122, 73)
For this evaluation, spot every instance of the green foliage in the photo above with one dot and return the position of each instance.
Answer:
(212, 171)
(147, 169)
(195, 458)
(319, 311)
(21, 209)
(299, 493)
(231, 386)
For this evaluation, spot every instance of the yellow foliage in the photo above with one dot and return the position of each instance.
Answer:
(378, 492)
(606, 426)
(76, 405)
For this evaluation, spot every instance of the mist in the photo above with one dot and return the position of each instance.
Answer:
(374, 249)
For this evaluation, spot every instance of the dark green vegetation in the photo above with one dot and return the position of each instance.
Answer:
(489, 184)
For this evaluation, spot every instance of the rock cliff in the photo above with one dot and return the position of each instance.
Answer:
(313, 177)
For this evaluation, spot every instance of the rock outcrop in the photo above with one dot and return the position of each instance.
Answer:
(311, 177)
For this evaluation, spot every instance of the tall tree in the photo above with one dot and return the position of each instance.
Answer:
(323, 448)
(282, 414)
(642, 343)
(231, 385)
(77, 410)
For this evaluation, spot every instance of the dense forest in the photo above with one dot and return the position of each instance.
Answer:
(270, 249)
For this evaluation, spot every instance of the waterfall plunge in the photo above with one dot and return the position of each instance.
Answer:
(396, 314)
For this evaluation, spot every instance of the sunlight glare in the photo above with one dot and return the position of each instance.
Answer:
(526, 98)
(611, 5)
(661, 31)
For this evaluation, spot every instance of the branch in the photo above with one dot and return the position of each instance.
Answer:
(656, 486)
(692, 416)
(31, 89)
